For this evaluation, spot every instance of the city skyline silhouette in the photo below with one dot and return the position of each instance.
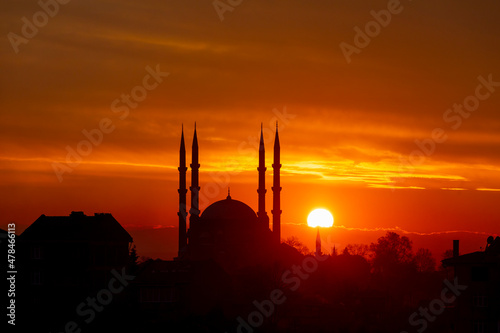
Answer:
(250, 166)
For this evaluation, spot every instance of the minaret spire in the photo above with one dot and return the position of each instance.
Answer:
(262, 214)
(276, 189)
(194, 188)
(318, 244)
(182, 195)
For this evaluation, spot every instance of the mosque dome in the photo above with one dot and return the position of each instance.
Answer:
(229, 210)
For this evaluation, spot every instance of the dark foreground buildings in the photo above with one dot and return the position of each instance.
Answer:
(73, 265)
(225, 258)
(477, 310)
(65, 262)
(233, 274)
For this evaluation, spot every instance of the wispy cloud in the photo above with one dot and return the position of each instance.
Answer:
(403, 231)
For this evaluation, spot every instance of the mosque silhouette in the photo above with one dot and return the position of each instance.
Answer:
(228, 231)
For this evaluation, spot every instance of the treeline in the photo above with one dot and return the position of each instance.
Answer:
(390, 251)
(367, 288)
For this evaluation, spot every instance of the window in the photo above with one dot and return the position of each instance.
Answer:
(36, 278)
(478, 327)
(36, 252)
(480, 301)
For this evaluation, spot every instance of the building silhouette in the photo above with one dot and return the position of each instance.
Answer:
(178, 293)
(228, 231)
(477, 309)
(64, 260)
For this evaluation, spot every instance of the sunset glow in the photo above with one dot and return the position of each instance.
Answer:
(250, 166)
(378, 136)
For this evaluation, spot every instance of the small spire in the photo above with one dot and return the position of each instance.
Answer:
(276, 126)
(195, 187)
(195, 138)
(261, 144)
(318, 244)
(228, 193)
(182, 139)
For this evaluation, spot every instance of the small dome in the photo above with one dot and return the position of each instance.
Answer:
(229, 209)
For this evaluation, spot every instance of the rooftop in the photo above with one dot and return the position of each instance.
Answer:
(77, 227)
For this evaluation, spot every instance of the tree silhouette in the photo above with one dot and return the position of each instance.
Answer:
(446, 254)
(298, 245)
(133, 258)
(424, 261)
(391, 250)
(362, 250)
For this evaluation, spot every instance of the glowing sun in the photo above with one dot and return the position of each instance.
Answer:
(320, 218)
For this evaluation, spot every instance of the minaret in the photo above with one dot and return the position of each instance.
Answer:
(194, 188)
(276, 189)
(318, 244)
(262, 214)
(182, 195)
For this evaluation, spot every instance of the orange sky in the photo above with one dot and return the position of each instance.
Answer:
(349, 126)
